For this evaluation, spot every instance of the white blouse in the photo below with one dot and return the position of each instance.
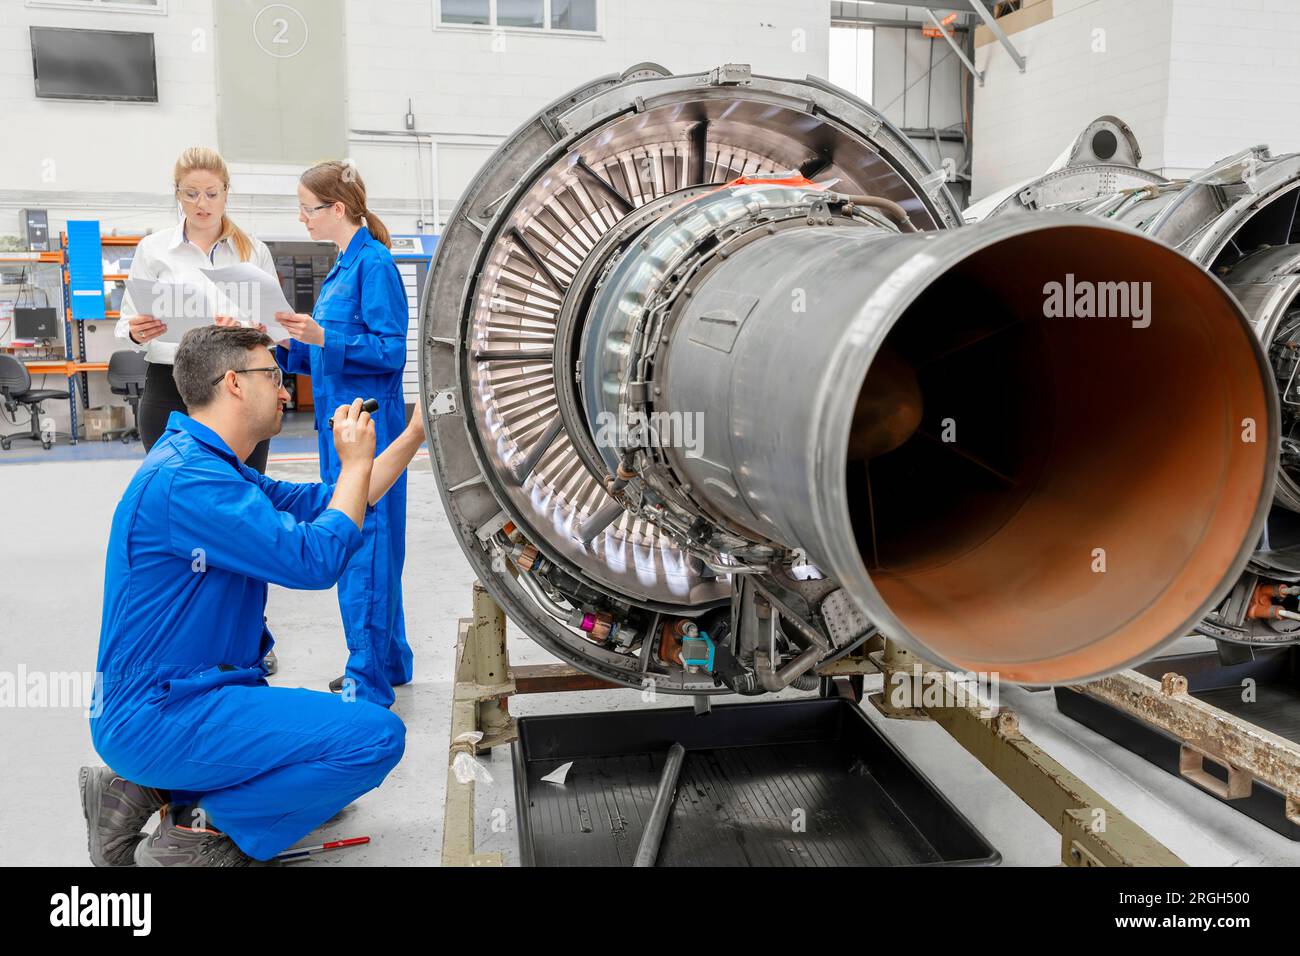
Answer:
(168, 256)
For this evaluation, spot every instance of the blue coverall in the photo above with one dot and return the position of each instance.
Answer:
(184, 703)
(363, 309)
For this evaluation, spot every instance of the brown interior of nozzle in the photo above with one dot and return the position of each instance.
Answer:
(1050, 448)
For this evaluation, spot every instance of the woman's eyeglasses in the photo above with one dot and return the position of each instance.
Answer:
(191, 196)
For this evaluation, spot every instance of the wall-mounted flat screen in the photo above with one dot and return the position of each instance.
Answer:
(94, 65)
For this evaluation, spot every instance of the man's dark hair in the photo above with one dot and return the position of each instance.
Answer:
(207, 353)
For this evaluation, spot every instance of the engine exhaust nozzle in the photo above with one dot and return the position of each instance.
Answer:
(1040, 447)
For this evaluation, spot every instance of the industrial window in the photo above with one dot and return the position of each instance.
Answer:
(124, 6)
(573, 15)
(546, 16)
(530, 14)
(851, 59)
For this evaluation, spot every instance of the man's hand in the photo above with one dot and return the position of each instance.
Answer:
(145, 328)
(354, 440)
(354, 435)
(302, 327)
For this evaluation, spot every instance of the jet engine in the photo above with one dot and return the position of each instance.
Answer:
(718, 386)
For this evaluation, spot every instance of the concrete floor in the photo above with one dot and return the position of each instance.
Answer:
(56, 522)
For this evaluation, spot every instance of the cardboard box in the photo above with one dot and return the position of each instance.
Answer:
(104, 421)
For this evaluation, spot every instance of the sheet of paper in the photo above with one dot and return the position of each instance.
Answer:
(558, 774)
(251, 294)
(181, 306)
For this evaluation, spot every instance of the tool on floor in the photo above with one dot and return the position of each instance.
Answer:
(648, 849)
(370, 405)
(298, 852)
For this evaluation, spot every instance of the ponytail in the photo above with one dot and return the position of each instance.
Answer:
(377, 228)
(243, 245)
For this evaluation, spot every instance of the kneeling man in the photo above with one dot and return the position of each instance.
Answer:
(186, 718)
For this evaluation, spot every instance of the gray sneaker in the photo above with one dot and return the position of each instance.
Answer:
(175, 843)
(116, 810)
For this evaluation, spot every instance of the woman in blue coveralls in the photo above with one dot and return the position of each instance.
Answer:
(354, 346)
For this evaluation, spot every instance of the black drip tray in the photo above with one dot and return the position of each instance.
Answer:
(1275, 707)
(752, 773)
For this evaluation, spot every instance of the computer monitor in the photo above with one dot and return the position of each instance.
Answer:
(42, 323)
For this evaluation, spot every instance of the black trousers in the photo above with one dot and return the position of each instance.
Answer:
(161, 398)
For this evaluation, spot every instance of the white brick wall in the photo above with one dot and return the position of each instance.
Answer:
(1196, 79)
(100, 147)
(1234, 80)
(1023, 121)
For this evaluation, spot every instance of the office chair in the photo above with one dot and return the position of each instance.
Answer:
(126, 374)
(15, 390)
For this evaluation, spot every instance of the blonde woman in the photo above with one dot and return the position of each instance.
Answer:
(205, 238)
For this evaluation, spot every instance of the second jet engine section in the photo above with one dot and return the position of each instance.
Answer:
(1240, 219)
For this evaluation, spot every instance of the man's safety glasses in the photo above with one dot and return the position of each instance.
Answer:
(277, 375)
